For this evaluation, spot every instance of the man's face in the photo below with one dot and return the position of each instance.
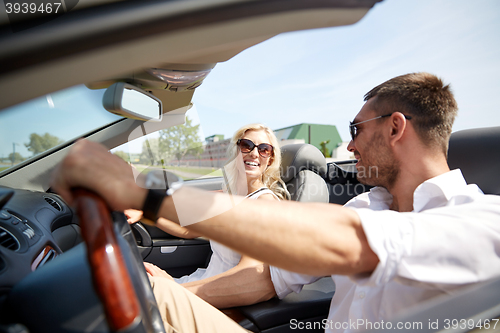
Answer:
(377, 165)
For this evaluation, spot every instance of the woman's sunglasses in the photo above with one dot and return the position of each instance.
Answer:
(265, 149)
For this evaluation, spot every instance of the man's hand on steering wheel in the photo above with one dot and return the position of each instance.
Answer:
(90, 165)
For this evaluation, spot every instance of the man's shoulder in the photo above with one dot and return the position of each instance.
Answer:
(377, 198)
(447, 189)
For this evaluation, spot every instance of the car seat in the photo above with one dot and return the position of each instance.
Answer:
(304, 171)
(476, 153)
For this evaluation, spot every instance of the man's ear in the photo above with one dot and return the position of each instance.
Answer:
(398, 127)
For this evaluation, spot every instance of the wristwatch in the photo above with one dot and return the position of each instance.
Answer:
(158, 189)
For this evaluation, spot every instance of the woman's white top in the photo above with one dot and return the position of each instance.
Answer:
(223, 258)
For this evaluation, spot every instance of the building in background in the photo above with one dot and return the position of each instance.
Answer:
(214, 153)
(341, 153)
(324, 137)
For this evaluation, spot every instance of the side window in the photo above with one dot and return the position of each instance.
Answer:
(178, 149)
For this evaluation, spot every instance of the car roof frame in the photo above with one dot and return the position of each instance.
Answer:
(114, 39)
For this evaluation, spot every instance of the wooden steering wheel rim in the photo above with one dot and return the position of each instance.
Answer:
(109, 272)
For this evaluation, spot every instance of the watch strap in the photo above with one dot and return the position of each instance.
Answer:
(152, 205)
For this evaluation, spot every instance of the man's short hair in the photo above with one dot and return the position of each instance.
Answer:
(426, 99)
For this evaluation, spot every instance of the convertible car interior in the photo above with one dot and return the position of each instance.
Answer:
(50, 233)
(55, 272)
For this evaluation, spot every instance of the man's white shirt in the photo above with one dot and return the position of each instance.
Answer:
(449, 240)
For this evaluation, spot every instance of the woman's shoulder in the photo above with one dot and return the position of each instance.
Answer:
(268, 196)
(264, 193)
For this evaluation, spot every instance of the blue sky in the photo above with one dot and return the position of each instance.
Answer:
(320, 76)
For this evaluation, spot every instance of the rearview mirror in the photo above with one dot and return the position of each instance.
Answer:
(130, 101)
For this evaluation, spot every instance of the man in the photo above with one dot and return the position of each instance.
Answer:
(387, 250)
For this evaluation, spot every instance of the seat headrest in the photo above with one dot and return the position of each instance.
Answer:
(477, 153)
(298, 157)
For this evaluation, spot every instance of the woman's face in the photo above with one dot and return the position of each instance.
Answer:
(255, 165)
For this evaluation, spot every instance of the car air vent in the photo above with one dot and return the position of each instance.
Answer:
(2, 264)
(53, 203)
(8, 241)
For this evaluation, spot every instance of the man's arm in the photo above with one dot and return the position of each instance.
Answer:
(317, 239)
(312, 238)
(247, 283)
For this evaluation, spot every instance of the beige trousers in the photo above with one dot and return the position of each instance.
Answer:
(184, 312)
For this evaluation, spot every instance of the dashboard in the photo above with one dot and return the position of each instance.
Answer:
(44, 268)
(35, 227)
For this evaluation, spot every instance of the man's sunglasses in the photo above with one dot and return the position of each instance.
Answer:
(265, 149)
(354, 130)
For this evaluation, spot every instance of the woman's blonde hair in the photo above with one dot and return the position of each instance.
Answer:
(271, 177)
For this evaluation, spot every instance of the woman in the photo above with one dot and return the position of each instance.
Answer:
(253, 170)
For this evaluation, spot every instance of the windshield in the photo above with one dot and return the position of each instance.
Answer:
(31, 128)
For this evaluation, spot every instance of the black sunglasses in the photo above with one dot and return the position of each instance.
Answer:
(265, 149)
(354, 130)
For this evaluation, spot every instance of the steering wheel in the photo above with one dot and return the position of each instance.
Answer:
(125, 306)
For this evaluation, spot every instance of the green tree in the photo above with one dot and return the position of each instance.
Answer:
(123, 155)
(40, 143)
(16, 158)
(178, 141)
(324, 149)
(151, 153)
